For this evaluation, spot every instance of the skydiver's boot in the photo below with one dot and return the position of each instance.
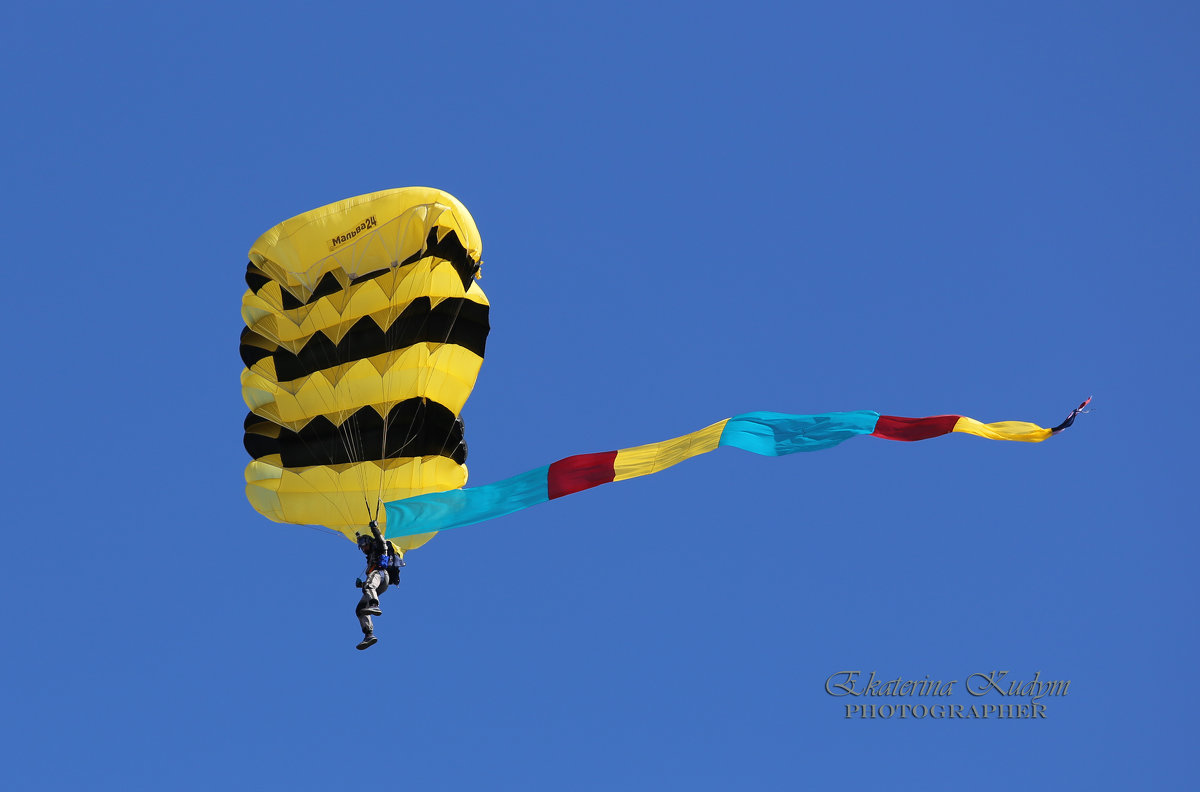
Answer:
(370, 611)
(368, 641)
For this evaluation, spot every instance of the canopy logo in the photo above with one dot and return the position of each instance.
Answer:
(358, 229)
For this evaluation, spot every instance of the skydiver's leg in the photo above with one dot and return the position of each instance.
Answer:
(378, 583)
(364, 602)
(368, 604)
(364, 621)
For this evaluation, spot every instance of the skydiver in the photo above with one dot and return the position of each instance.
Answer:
(378, 561)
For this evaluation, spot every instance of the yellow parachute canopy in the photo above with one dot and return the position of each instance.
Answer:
(365, 331)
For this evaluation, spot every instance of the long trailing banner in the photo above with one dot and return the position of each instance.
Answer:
(765, 433)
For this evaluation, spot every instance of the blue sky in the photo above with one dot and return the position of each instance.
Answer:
(688, 211)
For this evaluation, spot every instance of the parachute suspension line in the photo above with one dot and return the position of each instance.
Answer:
(396, 314)
(337, 506)
(312, 452)
(388, 397)
(413, 428)
(348, 426)
(358, 440)
(400, 332)
(389, 402)
(321, 529)
(457, 312)
(354, 433)
(330, 359)
(410, 433)
(345, 420)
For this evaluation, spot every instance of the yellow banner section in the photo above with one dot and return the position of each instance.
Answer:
(1021, 431)
(647, 459)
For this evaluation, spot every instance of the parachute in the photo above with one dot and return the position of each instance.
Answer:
(765, 433)
(365, 331)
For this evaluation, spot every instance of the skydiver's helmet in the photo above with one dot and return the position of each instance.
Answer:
(364, 542)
